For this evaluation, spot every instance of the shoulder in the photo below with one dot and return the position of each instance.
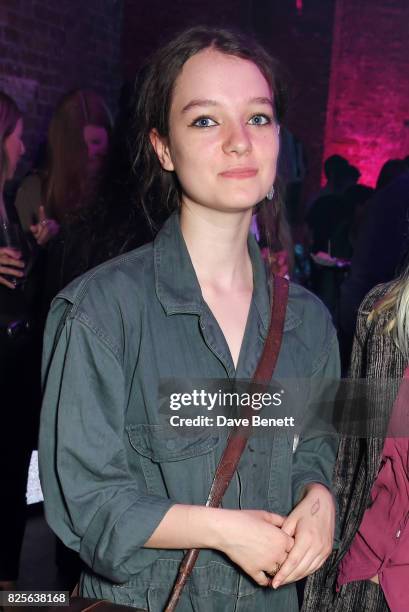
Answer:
(109, 296)
(308, 308)
(374, 296)
(31, 186)
(311, 326)
(379, 355)
(366, 326)
(113, 281)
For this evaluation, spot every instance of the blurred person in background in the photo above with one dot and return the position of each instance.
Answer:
(328, 220)
(356, 200)
(390, 171)
(334, 167)
(20, 352)
(379, 251)
(110, 223)
(78, 139)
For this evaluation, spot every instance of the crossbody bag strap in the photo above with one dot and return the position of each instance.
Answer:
(237, 440)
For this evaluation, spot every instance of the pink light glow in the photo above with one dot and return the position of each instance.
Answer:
(367, 113)
(299, 5)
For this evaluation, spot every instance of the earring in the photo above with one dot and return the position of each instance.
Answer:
(270, 193)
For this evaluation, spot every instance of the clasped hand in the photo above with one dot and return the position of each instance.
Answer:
(312, 525)
(259, 542)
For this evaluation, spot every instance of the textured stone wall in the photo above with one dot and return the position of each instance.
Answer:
(48, 47)
(368, 108)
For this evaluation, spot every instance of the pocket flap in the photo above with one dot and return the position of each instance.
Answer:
(161, 444)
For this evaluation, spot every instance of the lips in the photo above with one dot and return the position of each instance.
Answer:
(240, 172)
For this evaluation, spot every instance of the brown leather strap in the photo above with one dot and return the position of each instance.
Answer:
(237, 440)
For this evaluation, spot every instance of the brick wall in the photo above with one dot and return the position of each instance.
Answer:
(48, 47)
(368, 110)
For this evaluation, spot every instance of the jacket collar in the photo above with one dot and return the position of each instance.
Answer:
(178, 289)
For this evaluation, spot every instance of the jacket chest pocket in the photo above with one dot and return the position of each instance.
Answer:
(174, 465)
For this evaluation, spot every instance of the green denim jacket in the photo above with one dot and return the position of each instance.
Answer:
(109, 474)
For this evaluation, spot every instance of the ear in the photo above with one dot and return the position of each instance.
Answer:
(161, 146)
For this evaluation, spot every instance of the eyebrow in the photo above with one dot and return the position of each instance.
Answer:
(206, 102)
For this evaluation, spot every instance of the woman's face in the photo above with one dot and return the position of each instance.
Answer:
(223, 137)
(14, 149)
(96, 140)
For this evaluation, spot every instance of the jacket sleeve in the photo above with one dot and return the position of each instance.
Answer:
(315, 454)
(92, 501)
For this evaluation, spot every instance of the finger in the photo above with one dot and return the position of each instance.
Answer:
(262, 579)
(42, 235)
(295, 557)
(290, 544)
(289, 527)
(41, 214)
(317, 563)
(11, 252)
(276, 519)
(46, 235)
(312, 560)
(41, 239)
(307, 566)
(282, 559)
(7, 260)
(10, 270)
(7, 283)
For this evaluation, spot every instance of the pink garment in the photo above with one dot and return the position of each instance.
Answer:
(381, 545)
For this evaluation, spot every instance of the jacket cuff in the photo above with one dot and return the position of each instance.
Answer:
(110, 549)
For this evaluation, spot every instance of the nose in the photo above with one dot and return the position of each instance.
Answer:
(237, 139)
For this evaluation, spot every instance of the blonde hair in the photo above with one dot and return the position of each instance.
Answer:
(396, 303)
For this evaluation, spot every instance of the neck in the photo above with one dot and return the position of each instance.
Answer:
(217, 245)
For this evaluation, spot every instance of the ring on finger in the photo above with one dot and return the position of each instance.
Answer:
(273, 572)
(44, 222)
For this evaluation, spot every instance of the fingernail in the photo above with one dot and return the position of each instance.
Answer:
(276, 585)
